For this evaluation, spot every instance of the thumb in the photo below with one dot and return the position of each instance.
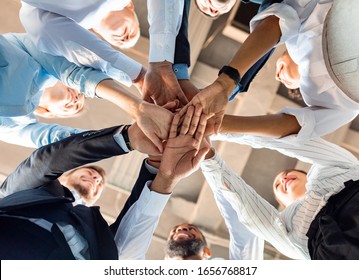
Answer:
(156, 141)
(171, 105)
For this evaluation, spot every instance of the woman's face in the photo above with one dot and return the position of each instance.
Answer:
(287, 72)
(289, 186)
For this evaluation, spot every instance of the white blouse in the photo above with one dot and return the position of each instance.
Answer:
(285, 230)
(301, 23)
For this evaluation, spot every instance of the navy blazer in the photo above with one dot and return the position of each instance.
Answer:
(182, 49)
(36, 193)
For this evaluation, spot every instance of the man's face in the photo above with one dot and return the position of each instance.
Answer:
(61, 100)
(87, 182)
(121, 27)
(186, 242)
(185, 231)
(289, 186)
(215, 8)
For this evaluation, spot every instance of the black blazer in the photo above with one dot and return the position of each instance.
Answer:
(36, 193)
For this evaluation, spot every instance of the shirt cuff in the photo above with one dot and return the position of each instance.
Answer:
(289, 20)
(88, 88)
(120, 140)
(162, 47)
(211, 164)
(150, 168)
(152, 203)
(181, 71)
(306, 120)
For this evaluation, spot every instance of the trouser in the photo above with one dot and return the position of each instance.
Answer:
(334, 233)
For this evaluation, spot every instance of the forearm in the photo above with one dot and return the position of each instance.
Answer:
(114, 92)
(276, 125)
(163, 184)
(51, 161)
(265, 36)
(134, 234)
(59, 35)
(257, 214)
(35, 134)
(165, 17)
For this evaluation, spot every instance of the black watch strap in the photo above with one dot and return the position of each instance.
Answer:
(124, 133)
(231, 72)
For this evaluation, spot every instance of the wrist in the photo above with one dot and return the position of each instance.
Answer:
(154, 162)
(127, 134)
(160, 66)
(163, 184)
(229, 77)
(141, 76)
(226, 83)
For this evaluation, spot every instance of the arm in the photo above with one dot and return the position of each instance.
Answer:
(276, 24)
(160, 84)
(27, 131)
(214, 98)
(260, 217)
(139, 217)
(82, 78)
(243, 244)
(180, 158)
(50, 162)
(182, 59)
(153, 120)
(276, 125)
(315, 151)
(55, 33)
(302, 123)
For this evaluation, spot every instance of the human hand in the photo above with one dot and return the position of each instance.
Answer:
(214, 100)
(161, 85)
(140, 142)
(155, 122)
(182, 154)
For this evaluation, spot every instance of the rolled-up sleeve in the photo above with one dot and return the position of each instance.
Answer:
(289, 20)
(318, 121)
(82, 78)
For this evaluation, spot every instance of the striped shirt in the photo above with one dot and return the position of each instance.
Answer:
(285, 230)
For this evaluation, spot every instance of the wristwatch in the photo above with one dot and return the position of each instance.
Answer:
(124, 133)
(235, 76)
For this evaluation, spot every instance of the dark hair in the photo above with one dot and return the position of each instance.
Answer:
(295, 94)
(184, 248)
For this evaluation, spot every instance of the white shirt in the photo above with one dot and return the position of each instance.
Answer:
(136, 229)
(286, 230)
(60, 28)
(301, 23)
(243, 244)
(165, 18)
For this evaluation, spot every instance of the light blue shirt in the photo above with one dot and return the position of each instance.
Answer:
(24, 73)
